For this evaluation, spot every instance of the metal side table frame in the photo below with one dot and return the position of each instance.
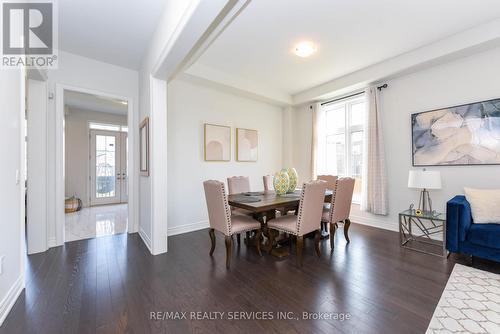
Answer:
(426, 226)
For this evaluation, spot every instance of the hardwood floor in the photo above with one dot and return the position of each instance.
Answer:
(111, 284)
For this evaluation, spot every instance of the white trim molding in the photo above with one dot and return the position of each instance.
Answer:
(378, 223)
(10, 298)
(188, 228)
(145, 239)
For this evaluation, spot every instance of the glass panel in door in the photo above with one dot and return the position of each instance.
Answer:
(105, 167)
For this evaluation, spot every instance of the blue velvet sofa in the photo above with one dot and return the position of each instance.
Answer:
(463, 236)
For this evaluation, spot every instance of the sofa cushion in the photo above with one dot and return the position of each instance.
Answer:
(485, 205)
(486, 235)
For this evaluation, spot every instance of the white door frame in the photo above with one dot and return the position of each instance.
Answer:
(59, 150)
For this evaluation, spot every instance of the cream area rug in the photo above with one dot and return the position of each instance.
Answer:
(470, 303)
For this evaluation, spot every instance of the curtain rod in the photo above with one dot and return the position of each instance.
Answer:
(342, 98)
(352, 95)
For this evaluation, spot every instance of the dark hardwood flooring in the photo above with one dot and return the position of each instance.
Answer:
(111, 284)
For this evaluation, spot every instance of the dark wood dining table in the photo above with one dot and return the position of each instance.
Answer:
(263, 205)
(267, 202)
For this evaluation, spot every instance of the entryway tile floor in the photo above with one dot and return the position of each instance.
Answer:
(96, 221)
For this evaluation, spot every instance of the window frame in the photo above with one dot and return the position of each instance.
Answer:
(93, 125)
(346, 130)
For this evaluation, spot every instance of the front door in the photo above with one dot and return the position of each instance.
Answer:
(108, 167)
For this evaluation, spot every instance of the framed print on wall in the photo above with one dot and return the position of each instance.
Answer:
(217, 142)
(463, 135)
(247, 145)
(144, 147)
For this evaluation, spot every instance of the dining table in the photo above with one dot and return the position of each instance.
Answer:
(263, 205)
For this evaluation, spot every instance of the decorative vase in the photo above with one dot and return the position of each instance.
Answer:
(294, 177)
(281, 182)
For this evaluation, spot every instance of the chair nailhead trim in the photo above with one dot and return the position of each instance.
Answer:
(227, 208)
(333, 200)
(299, 216)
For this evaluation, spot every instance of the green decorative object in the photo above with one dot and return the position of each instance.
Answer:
(294, 178)
(281, 182)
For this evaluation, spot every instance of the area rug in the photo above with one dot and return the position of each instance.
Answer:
(470, 303)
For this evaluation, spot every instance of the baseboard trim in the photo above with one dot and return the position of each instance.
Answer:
(378, 223)
(188, 228)
(51, 242)
(10, 299)
(145, 239)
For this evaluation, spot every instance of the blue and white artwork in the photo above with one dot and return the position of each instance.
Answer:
(462, 135)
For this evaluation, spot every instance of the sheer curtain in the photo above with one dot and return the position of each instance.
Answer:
(374, 193)
(316, 129)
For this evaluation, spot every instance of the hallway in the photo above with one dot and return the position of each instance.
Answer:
(96, 221)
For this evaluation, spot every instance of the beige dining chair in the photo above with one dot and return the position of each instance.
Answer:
(306, 220)
(221, 219)
(238, 185)
(269, 186)
(268, 182)
(339, 208)
(331, 181)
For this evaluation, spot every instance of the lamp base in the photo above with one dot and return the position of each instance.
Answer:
(424, 201)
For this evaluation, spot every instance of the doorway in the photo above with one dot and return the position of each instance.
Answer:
(96, 159)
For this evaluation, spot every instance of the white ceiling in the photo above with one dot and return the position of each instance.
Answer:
(255, 50)
(92, 102)
(113, 31)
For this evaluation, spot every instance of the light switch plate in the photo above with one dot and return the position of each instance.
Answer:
(18, 176)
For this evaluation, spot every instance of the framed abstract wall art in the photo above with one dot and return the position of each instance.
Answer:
(463, 135)
(247, 145)
(217, 142)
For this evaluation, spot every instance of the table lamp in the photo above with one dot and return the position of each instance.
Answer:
(425, 180)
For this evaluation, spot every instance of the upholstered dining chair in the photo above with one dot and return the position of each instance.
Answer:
(268, 182)
(339, 208)
(221, 219)
(306, 220)
(238, 185)
(331, 181)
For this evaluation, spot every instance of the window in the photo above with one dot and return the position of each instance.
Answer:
(341, 140)
(108, 127)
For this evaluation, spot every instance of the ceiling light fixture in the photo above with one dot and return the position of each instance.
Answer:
(305, 49)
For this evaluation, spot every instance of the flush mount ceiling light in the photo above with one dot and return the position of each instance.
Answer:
(304, 49)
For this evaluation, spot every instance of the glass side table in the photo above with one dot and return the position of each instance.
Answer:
(419, 233)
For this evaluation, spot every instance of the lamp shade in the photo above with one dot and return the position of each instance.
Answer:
(424, 179)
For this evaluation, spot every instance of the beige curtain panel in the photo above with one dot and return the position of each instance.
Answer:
(374, 193)
(314, 143)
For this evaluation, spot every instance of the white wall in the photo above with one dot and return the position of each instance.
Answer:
(86, 73)
(37, 149)
(189, 107)
(77, 148)
(470, 79)
(12, 193)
